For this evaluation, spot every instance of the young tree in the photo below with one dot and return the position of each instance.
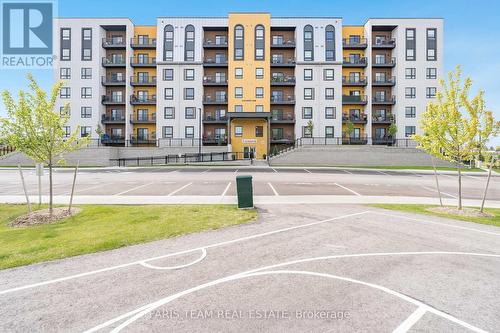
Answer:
(450, 126)
(35, 128)
(310, 127)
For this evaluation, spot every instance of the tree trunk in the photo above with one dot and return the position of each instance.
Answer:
(487, 183)
(459, 186)
(50, 189)
(73, 187)
(437, 181)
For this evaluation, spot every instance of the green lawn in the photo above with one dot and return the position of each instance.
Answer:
(421, 209)
(98, 228)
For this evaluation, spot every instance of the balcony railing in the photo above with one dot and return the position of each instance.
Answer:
(388, 118)
(118, 61)
(384, 43)
(214, 118)
(113, 118)
(287, 99)
(361, 118)
(283, 43)
(285, 80)
(135, 99)
(384, 62)
(282, 139)
(110, 99)
(354, 80)
(143, 139)
(214, 139)
(384, 140)
(143, 42)
(150, 80)
(113, 42)
(113, 80)
(135, 61)
(221, 42)
(214, 99)
(354, 43)
(361, 61)
(283, 62)
(282, 117)
(354, 140)
(361, 99)
(384, 99)
(209, 79)
(143, 118)
(215, 61)
(384, 81)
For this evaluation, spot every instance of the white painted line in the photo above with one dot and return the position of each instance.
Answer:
(110, 268)
(307, 171)
(336, 246)
(179, 189)
(274, 169)
(226, 189)
(236, 171)
(383, 172)
(348, 189)
(416, 174)
(203, 255)
(135, 188)
(436, 191)
(272, 188)
(347, 171)
(205, 171)
(406, 325)
(445, 175)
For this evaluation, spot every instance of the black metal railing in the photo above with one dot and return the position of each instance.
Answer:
(144, 61)
(282, 117)
(361, 61)
(112, 99)
(137, 80)
(217, 42)
(117, 80)
(384, 42)
(214, 79)
(354, 117)
(283, 99)
(214, 139)
(354, 99)
(143, 118)
(384, 80)
(354, 42)
(283, 79)
(353, 80)
(182, 159)
(283, 43)
(4, 150)
(113, 118)
(215, 61)
(382, 118)
(279, 61)
(142, 99)
(384, 99)
(113, 42)
(384, 61)
(143, 42)
(212, 117)
(214, 99)
(113, 61)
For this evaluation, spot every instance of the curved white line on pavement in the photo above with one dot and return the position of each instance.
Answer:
(140, 312)
(203, 255)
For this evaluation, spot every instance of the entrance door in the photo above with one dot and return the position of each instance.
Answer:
(248, 152)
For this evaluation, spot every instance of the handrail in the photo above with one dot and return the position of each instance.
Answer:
(183, 159)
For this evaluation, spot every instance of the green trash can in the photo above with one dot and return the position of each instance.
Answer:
(245, 191)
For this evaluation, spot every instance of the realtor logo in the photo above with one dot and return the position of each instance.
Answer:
(27, 33)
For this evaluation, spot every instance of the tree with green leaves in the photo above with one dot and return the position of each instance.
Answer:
(35, 128)
(310, 127)
(451, 125)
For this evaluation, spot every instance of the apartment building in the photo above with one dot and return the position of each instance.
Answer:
(248, 81)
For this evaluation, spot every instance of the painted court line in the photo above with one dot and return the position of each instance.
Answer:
(348, 189)
(110, 268)
(272, 188)
(179, 189)
(135, 188)
(226, 189)
(411, 320)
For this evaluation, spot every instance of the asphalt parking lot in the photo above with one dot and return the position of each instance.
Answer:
(300, 268)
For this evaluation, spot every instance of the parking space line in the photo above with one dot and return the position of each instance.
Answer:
(382, 172)
(226, 189)
(347, 171)
(307, 171)
(205, 171)
(272, 188)
(436, 191)
(179, 189)
(135, 188)
(274, 169)
(236, 171)
(348, 189)
(411, 320)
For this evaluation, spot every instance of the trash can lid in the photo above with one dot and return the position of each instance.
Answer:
(244, 177)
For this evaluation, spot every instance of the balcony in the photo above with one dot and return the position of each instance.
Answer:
(384, 100)
(214, 140)
(215, 62)
(113, 62)
(113, 80)
(354, 43)
(386, 43)
(218, 43)
(143, 100)
(143, 43)
(113, 118)
(282, 139)
(354, 140)
(143, 81)
(276, 62)
(287, 80)
(382, 119)
(353, 81)
(282, 118)
(384, 81)
(111, 140)
(213, 99)
(142, 62)
(143, 118)
(355, 100)
(211, 80)
(385, 140)
(282, 44)
(143, 139)
(283, 100)
(385, 62)
(355, 118)
(211, 118)
(354, 62)
(112, 100)
(114, 43)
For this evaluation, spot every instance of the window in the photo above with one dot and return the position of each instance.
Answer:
(62, 111)
(431, 44)
(65, 73)
(86, 44)
(188, 93)
(86, 73)
(189, 74)
(277, 133)
(85, 131)
(65, 44)
(238, 131)
(329, 132)
(308, 74)
(169, 112)
(259, 42)
(328, 74)
(309, 93)
(259, 131)
(168, 43)
(307, 113)
(239, 41)
(189, 43)
(259, 92)
(430, 92)
(86, 92)
(238, 73)
(67, 131)
(306, 132)
(189, 132)
(410, 44)
(410, 92)
(380, 59)
(431, 73)
(86, 112)
(410, 112)
(169, 93)
(330, 112)
(410, 73)
(190, 113)
(409, 131)
(329, 93)
(259, 73)
(238, 92)
(330, 43)
(238, 108)
(308, 43)
(168, 132)
(259, 108)
(168, 74)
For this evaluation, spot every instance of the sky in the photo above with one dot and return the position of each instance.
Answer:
(471, 28)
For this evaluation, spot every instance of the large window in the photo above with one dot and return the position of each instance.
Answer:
(168, 74)
(86, 112)
(307, 112)
(430, 92)
(189, 132)
(86, 92)
(410, 112)
(329, 93)
(308, 43)
(86, 73)
(169, 93)
(308, 93)
(328, 74)
(330, 43)
(410, 92)
(410, 73)
(308, 74)
(188, 94)
(189, 43)
(431, 73)
(409, 131)
(431, 44)
(259, 42)
(65, 73)
(169, 112)
(329, 132)
(168, 43)
(411, 44)
(190, 113)
(86, 44)
(65, 44)
(168, 132)
(330, 112)
(239, 41)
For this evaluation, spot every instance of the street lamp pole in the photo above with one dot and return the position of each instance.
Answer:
(199, 131)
